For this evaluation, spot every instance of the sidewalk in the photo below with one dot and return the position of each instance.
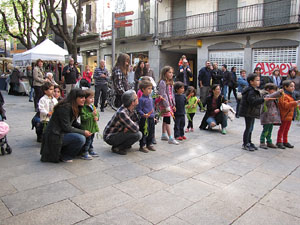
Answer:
(207, 179)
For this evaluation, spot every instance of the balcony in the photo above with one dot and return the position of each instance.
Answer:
(141, 27)
(276, 14)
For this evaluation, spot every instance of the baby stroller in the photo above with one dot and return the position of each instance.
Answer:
(4, 129)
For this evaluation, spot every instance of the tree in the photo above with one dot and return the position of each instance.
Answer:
(59, 24)
(17, 20)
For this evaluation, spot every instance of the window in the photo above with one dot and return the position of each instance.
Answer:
(270, 58)
(230, 58)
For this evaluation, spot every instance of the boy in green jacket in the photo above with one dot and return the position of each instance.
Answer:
(89, 117)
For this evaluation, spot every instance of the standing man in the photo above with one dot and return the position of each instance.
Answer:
(185, 74)
(101, 80)
(122, 130)
(70, 75)
(217, 75)
(226, 80)
(150, 72)
(204, 79)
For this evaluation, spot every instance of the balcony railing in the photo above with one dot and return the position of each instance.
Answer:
(276, 13)
(140, 27)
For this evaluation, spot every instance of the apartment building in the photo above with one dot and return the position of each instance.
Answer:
(241, 33)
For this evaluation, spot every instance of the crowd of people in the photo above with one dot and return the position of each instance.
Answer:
(272, 99)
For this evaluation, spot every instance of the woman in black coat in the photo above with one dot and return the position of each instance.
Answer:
(63, 139)
(214, 115)
(139, 72)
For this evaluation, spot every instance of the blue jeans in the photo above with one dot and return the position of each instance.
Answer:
(212, 119)
(31, 93)
(179, 126)
(72, 145)
(224, 91)
(88, 143)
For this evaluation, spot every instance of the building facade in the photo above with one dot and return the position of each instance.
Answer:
(241, 33)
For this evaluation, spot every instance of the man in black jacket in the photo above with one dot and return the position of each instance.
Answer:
(185, 74)
(70, 75)
(216, 75)
(204, 79)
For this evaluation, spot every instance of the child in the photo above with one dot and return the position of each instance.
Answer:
(57, 92)
(180, 101)
(167, 102)
(287, 106)
(269, 116)
(250, 108)
(47, 102)
(191, 107)
(145, 109)
(89, 117)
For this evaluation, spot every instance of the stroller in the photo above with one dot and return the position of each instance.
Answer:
(4, 129)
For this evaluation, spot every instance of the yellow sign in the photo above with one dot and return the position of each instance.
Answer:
(199, 43)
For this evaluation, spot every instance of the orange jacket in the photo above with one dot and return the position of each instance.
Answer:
(287, 106)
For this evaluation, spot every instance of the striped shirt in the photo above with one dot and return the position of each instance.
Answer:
(122, 119)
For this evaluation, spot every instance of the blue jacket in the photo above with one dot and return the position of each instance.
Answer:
(204, 76)
(242, 83)
(145, 106)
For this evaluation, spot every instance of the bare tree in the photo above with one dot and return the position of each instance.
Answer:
(18, 21)
(59, 24)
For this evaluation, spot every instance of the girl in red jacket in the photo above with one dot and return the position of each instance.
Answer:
(287, 106)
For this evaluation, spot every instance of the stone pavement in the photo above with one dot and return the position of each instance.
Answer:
(207, 179)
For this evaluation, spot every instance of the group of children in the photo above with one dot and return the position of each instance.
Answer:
(88, 116)
(171, 102)
(273, 107)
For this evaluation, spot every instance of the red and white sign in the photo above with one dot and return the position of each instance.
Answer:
(268, 68)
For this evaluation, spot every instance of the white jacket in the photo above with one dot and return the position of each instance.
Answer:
(46, 105)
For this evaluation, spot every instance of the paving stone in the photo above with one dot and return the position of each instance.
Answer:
(93, 181)
(290, 184)
(173, 220)
(4, 212)
(217, 177)
(101, 200)
(40, 178)
(6, 188)
(34, 198)
(209, 211)
(296, 173)
(172, 175)
(192, 190)
(197, 165)
(216, 157)
(278, 166)
(59, 213)
(116, 216)
(158, 206)
(236, 167)
(283, 201)
(83, 167)
(262, 215)
(127, 171)
(251, 159)
(141, 186)
(257, 183)
(159, 163)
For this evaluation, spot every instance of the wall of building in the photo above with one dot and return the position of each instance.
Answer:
(242, 39)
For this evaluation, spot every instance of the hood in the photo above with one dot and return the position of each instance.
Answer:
(246, 90)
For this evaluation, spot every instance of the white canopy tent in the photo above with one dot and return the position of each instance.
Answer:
(47, 50)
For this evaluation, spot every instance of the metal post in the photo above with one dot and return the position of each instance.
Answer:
(113, 41)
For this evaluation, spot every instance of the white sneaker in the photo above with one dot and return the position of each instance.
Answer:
(164, 138)
(173, 141)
